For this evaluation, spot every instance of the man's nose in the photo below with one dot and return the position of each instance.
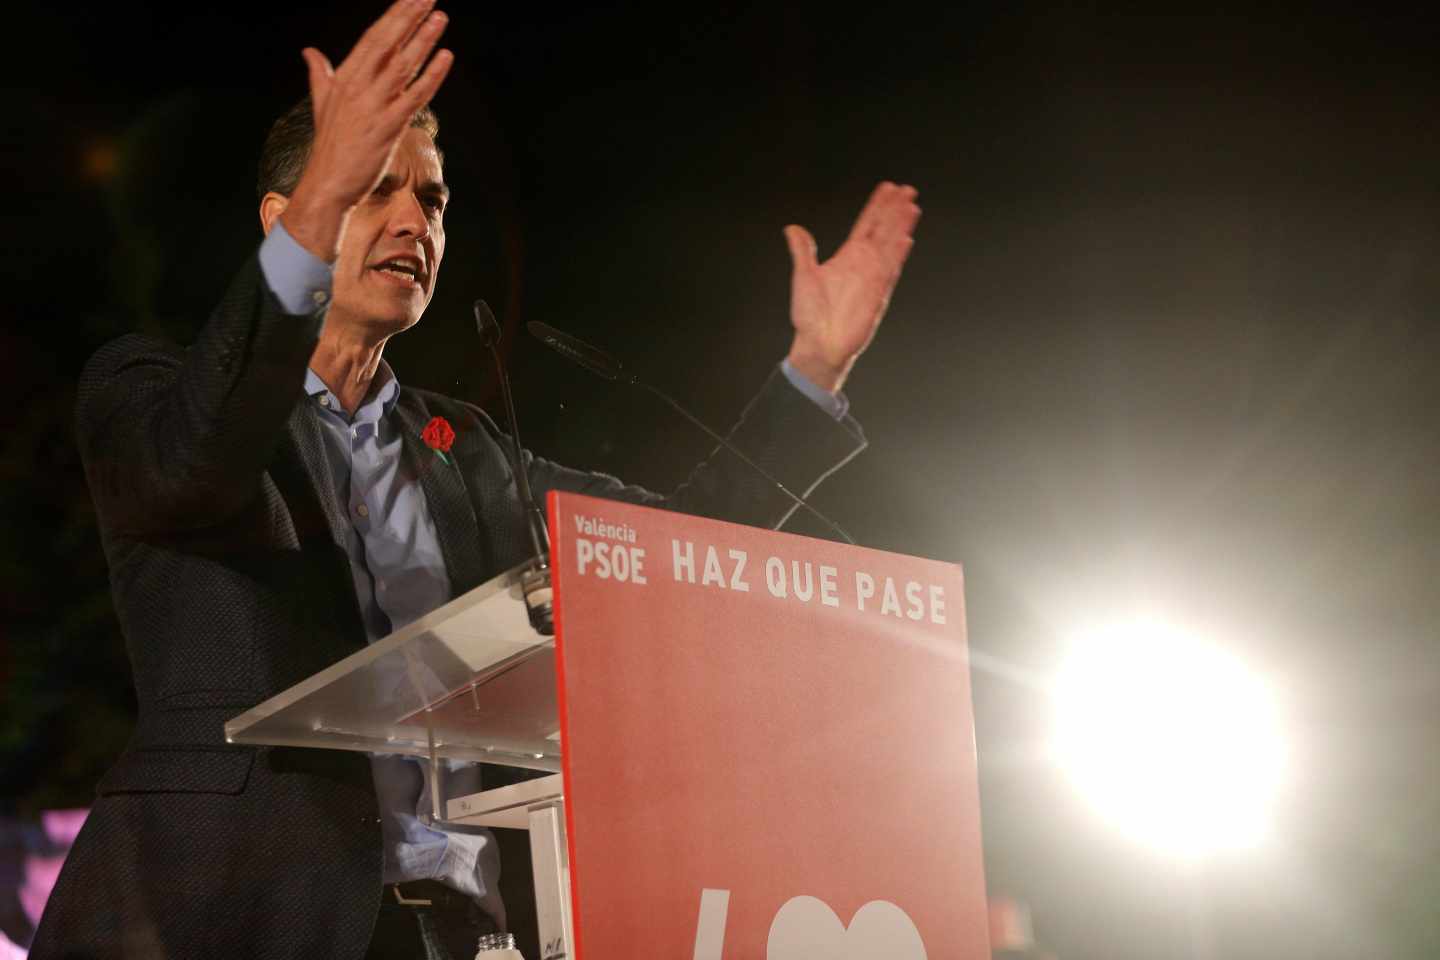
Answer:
(407, 216)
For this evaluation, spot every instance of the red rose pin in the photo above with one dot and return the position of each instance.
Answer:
(438, 436)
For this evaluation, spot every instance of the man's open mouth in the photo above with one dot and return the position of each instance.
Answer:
(401, 268)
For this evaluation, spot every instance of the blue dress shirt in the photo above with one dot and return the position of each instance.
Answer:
(400, 575)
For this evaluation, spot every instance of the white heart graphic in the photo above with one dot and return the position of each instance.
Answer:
(807, 929)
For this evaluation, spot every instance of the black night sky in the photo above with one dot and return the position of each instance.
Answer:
(1167, 342)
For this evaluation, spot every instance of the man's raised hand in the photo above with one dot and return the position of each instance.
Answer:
(362, 108)
(836, 306)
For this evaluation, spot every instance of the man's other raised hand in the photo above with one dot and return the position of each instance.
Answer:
(362, 108)
(836, 306)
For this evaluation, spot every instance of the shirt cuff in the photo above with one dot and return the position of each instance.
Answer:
(299, 279)
(835, 404)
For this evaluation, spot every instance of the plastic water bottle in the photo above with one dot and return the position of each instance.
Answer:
(498, 946)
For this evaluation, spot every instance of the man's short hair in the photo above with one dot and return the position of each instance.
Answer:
(287, 146)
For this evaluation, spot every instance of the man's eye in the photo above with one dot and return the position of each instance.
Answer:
(434, 204)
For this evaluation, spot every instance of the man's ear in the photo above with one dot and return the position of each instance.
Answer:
(271, 206)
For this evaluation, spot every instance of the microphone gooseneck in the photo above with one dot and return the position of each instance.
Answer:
(535, 582)
(601, 364)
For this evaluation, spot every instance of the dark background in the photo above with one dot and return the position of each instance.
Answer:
(1167, 342)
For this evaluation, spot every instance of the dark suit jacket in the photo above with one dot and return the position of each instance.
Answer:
(229, 573)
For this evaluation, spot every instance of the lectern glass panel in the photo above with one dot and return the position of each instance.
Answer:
(472, 679)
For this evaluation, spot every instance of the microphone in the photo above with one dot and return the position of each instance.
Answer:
(601, 364)
(594, 359)
(535, 582)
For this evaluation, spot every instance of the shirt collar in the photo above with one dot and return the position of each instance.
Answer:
(384, 392)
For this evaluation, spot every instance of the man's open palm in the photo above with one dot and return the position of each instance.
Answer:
(836, 306)
(361, 109)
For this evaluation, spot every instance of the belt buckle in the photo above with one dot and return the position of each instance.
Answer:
(401, 899)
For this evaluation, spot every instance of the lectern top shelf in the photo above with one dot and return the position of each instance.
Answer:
(473, 675)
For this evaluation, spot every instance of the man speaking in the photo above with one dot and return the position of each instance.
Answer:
(268, 505)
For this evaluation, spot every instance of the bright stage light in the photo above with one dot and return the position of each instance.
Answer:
(1172, 740)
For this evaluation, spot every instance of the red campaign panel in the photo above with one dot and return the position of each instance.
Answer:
(768, 743)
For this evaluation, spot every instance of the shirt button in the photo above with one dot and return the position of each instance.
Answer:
(324, 400)
(354, 431)
(320, 297)
(363, 510)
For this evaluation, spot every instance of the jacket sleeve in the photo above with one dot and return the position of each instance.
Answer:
(781, 430)
(176, 439)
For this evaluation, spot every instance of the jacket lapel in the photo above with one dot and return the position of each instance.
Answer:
(303, 473)
(305, 434)
(446, 497)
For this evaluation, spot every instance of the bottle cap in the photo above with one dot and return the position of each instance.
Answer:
(496, 941)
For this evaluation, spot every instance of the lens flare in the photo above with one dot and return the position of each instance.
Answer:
(1169, 738)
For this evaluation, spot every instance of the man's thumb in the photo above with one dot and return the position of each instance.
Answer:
(320, 73)
(802, 246)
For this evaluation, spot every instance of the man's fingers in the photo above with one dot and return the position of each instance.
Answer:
(892, 215)
(428, 82)
(407, 63)
(898, 218)
(904, 211)
(865, 223)
(899, 253)
(375, 47)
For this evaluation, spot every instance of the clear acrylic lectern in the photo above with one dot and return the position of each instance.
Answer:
(470, 681)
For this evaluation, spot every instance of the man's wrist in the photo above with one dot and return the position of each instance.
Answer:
(814, 367)
(316, 221)
(834, 403)
(300, 280)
